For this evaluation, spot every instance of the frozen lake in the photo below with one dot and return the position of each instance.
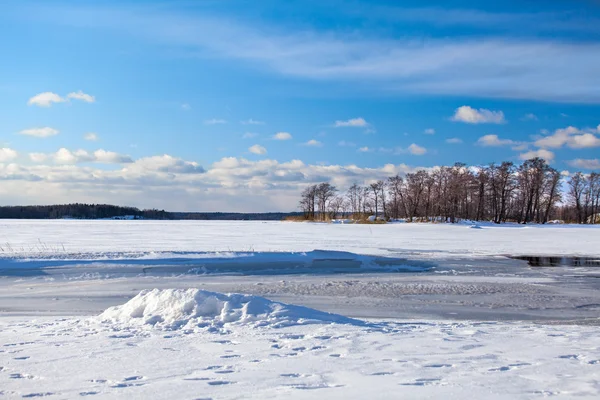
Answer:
(445, 306)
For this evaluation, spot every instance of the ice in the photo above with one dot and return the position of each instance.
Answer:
(138, 309)
(193, 308)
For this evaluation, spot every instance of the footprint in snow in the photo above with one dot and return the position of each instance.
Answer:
(335, 355)
(87, 393)
(438, 366)
(21, 376)
(26, 396)
(21, 358)
(570, 357)
(220, 383)
(290, 375)
(508, 367)
(230, 356)
(423, 382)
(133, 378)
(382, 373)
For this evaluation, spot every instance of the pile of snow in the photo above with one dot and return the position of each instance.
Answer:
(189, 309)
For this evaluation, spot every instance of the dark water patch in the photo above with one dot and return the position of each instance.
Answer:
(542, 261)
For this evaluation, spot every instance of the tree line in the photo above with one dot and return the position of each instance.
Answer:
(530, 192)
(79, 211)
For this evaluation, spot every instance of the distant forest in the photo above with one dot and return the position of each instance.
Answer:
(100, 211)
(529, 192)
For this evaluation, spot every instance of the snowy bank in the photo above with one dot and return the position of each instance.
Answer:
(188, 309)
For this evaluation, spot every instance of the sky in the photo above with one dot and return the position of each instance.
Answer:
(237, 105)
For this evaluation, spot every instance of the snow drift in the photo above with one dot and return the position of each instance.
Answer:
(188, 309)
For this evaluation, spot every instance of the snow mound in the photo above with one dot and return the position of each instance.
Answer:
(188, 309)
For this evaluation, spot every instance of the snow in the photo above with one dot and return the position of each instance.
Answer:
(223, 310)
(193, 309)
(51, 237)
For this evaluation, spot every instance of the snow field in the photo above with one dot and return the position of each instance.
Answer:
(71, 358)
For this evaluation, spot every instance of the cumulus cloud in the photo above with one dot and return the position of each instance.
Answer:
(7, 154)
(541, 153)
(39, 132)
(257, 149)
(591, 164)
(344, 143)
(81, 96)
(91, 136)
(572, 137)
(45, 99)
(249, 135)
(282, 136)
(429, 131)
(65, 156)
(215, 121)
(470, 115)
(165, 163)
(529, 117)
(175, 184)
(454, 141)
(352, 123)
(416, 150)
(493, 141)
(365, 149)
(313, 143)
(38, 157)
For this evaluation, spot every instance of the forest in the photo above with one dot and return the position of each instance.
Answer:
(79, 211)
(530, 192)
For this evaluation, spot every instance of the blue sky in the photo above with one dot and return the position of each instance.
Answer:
(192, 105)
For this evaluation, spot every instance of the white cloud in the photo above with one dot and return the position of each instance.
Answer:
(81, 96)
(571, 137)
(252, 122)
(163, 164)
(592, 164)
(171, 183)
(215, 121)
(454, 140)
(186, 107)
(257, 149)
(343, 143)
(470, 115)
(353, 123)
(282, 136)
(91, 136)
(492, 66)
(494, 141)
(429, 131)
(365, 149)
(45, 99)
(249, 135)
(529, 117)
(541, 153)
(417, 150)
(7, 154)
(313, 143)
(65, 156)
(110, 157)
(40, 132)
(38, 157)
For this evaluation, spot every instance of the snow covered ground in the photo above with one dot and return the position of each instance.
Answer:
(418, 311)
